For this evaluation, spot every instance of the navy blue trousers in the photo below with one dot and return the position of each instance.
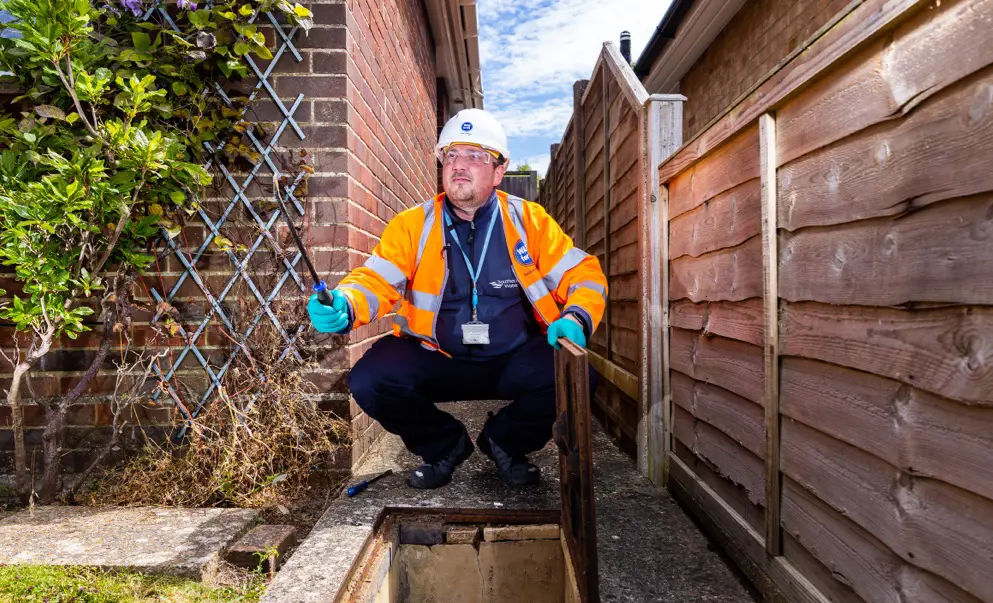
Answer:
(398, 383)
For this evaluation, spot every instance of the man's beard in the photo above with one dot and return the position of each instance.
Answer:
(464, 195)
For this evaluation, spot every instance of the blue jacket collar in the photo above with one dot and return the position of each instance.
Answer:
(483, 212)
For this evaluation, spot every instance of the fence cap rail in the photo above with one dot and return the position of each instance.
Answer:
(631, 86)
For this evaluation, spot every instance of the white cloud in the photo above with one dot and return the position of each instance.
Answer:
(531, 55)
(534, 116)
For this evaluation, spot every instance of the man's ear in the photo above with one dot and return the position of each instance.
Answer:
(498, 173)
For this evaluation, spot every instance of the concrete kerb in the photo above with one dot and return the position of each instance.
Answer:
(182, 542)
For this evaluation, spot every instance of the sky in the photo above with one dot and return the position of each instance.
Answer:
(532, 51)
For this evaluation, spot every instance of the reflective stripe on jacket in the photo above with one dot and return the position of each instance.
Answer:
(409, 264)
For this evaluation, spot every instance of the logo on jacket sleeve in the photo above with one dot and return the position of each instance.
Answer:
(522, 255)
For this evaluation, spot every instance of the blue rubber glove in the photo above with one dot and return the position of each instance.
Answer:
(329, 319)
(568, 328)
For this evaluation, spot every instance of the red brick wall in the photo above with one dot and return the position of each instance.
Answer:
(392, 99)
(369, 119)
(762, 33)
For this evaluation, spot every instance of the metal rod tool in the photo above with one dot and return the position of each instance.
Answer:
(359, 487)
(320, 287)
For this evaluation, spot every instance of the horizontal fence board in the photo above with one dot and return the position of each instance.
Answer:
(732, 274)
(626, 314)
(732, 495)
(928, 523)
(624, 286)
(726, 456)
(742, 320)
(892, 76)
(625, 242)
(913, 430)
(924, 257)
(625, 149)
(942, 150)
(737, 367)
(620, 414)
(857, 558)
(624, 349)
(729, 219)
(815, 572)
(738, 418)
(734, 163)
(776, 577)
(943, 351)
(594, 150)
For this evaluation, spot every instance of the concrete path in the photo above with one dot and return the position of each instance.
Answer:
(649, 550)
(180, 542)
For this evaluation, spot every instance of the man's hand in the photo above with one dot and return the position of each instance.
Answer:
(329, 319)
(568, 327)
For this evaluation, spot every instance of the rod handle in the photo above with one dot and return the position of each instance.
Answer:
(323, 294)
(353, 490)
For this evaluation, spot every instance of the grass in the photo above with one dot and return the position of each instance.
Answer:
(54, 584)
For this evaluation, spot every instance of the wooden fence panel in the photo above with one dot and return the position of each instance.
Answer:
(878, 400)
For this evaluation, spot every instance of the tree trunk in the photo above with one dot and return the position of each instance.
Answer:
(22, 475)
(55, 414)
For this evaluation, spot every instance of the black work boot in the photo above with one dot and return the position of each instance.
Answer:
(439, 473)
(515, 470)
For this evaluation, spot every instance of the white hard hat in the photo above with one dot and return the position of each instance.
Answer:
(474, 126)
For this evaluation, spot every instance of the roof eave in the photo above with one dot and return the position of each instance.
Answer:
(455, 26)
(693, 25)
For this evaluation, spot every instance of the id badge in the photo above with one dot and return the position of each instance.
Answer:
(475, 333)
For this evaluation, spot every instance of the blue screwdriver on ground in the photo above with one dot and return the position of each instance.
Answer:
(320, 287)
(359, 487)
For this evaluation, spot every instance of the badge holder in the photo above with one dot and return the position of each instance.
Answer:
(475, 332)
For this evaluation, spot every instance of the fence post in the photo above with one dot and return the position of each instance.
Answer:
(607, 185)
(663, 131)
(579, 152)
(770, 261)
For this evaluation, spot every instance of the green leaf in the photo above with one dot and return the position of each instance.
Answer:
(301, 11)
(179, 88)
(141, 41)
(263, 53)
(30, 137)
(50, 111)
(72, 118)
(177, 197)
(246, 10)
(199, 18)
(241, 48)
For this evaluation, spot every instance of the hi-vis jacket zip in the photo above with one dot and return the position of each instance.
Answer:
(409, 264)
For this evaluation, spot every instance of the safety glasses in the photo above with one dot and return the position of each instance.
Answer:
(472, 157)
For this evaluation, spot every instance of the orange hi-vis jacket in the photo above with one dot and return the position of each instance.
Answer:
(409, 264)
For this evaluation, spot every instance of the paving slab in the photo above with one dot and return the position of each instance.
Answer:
(649, 549)
(180, 542)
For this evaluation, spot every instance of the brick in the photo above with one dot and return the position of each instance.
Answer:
(329, 14)
(267, 110)
(327, 186)
(329, 62)
(548, 531)
(321, 38)
(317, 136)
(423, 533)
(259, 543)
(312, 86)
(459, 534)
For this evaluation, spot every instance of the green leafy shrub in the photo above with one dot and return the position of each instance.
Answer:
(104, 151)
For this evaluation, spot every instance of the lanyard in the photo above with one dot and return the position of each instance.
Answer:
(474, 273)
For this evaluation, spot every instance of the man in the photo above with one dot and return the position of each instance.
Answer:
(481, 276)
